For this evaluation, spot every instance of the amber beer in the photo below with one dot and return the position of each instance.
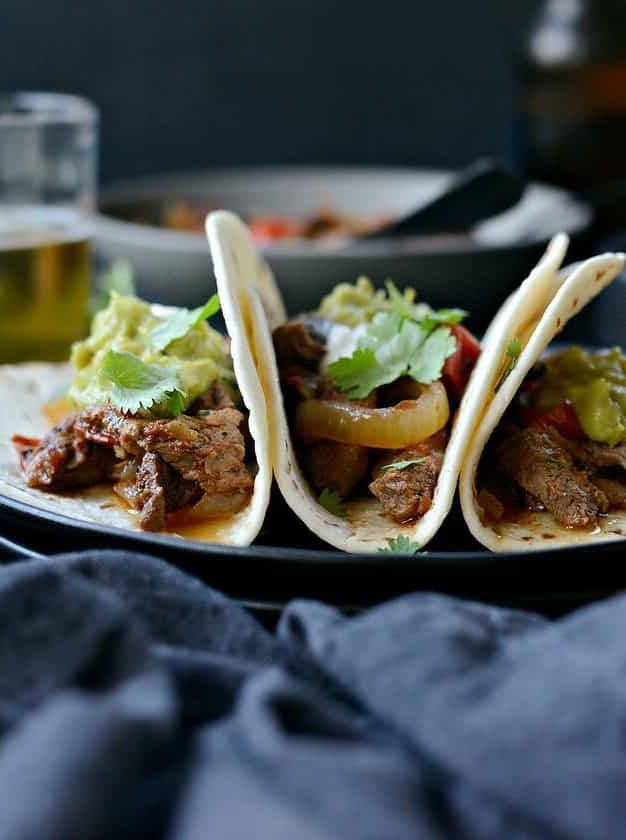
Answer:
(44, 282)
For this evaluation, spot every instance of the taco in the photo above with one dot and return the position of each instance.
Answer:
(372, 399)
(157, 424)
(547, 463)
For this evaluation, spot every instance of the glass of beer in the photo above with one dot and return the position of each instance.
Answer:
(48, 177)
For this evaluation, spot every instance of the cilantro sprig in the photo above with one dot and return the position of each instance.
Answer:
(393, 346)
(403, 465)
(332, 501)
(512, 354)
(405, 339)
(180, 323)
(138, 386)
(404, 305)
(400, 545)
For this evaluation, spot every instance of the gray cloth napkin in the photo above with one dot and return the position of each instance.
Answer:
(137, 702)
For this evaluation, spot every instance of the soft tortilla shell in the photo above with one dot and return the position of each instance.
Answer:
(24, 391)
(536, 323)
(244, 277)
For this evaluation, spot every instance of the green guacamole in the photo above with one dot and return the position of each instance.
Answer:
(595, 384)
(199, 358)
(357, 303)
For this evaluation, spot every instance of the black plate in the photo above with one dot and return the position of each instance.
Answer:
(551, 581)
(287, 561)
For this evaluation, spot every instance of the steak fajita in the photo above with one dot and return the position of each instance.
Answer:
(547, 466)
(154, 413)
(372, 399)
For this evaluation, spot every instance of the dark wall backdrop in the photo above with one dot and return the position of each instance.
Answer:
(193, 83)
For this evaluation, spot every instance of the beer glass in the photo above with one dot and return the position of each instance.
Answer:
(48, 177)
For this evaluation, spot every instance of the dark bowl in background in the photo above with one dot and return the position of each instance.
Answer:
(474, 271)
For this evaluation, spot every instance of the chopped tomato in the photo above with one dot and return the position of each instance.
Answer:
(24, 445)
(458, 367)
(20, 442)
(270, 228)
(562, 417)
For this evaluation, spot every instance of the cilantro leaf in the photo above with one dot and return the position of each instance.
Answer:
(175, 404)
(137, 385)
(426, 364)
(404, 339)
(444, 316)
(403, 465)
(512, 354)
(381, 357)
(400, 545)
(403, 304)
(119, 278)
(178, 325)
(357, 374)
(332, 501)
(392, 347)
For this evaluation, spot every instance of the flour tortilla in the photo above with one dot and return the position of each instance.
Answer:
(24, 391)
(535, 321)
(247, 280)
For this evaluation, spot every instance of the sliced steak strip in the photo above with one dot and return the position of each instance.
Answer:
(337, 466)
(151, 493)
(406, 494)
(614, 490)
(208, 449)
(66, 460)
(535, 459)
(492, 508)
(154, 489)
(106, 425)
(594, 455)
(297, 344)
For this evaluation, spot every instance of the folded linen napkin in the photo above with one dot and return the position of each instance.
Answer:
(137, 702)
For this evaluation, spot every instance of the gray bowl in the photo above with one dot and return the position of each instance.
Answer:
(474, 272)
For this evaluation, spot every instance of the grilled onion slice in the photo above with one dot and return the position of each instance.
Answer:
(396, 427)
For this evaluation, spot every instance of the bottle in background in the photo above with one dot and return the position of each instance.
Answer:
(574, 93)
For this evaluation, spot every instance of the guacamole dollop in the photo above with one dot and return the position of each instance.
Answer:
(357, 303)
(198, 358)
(595, 384)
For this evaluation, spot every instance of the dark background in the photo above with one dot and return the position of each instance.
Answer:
(195, 83)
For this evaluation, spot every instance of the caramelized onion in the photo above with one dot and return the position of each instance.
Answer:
(396, 427)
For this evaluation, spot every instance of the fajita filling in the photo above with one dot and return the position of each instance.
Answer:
(370, 380)
(157, 415)
(561, 447)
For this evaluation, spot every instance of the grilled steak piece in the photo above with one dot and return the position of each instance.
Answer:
(535, 459)
(303, 384)
(106, 425)
(614, 490)
(491, 506)
(594, 455)
(296, 343)
(150, 492)
(158, 466)
(337, 466)
(209, 449)
(66, 460)
(407, 493)
(154, 489)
